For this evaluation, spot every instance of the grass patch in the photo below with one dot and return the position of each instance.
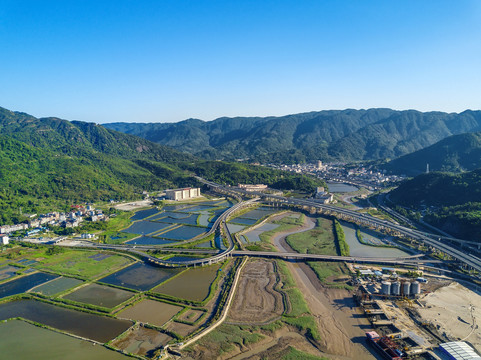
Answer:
(306, 324)
(294, 354)
(80, 263)
(298, 304)
(225, 337)
(319, 240)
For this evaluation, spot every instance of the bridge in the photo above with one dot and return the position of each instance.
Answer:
(433, 240)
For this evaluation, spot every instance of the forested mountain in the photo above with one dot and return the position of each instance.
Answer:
(455, 153)
(456, 199)
(49, 163)
(342, 135)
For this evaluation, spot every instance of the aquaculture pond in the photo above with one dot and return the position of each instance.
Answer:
(184, 232)
(145, 227)
(148, 240)
(150, 311)
(142, 214)
(57, 286)
(192, 284)
(259, 213)
(253, 235)
(358, 249)
(233, 228)
(190, 219)
(7, 272)
(24, 283)
(100, 295)
(98, 328)
(21, 340)
(243, 221)
(140, 276)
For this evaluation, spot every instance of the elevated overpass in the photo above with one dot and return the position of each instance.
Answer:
(428, 238)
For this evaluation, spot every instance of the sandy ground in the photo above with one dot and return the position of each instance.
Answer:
(255, 300)
(453, 310)
(133, 205)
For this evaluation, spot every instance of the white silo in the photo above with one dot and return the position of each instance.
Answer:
(415, 288)
(396, 288)
(406, 287)
(386, 288)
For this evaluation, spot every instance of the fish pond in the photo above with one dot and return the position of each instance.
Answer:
(7, 272)
(98, 328)
(100, 295)
(142, 214)
(184, 233)
(193, 284)
(358, 249)
(140, 276)
(253, 235)
(24, 283)
(150, 311)
(145, 227)
(57, 286)
(21, 340)
(149, 240)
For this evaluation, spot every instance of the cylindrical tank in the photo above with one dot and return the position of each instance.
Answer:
(396, 288)
(415, 288)
(406, 288)
(386, 288)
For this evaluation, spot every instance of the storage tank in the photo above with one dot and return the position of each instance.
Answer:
(396, 288)
(406, 288)
(415, 288)
(386, 288)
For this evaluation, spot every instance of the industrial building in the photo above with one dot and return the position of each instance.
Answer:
(459, 350)
(182, 194)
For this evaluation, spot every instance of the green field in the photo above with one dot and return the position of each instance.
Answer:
(319, 240)
(80, 263)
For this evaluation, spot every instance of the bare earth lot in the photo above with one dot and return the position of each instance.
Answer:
(142, 341)
(453, 310)
(255, 300)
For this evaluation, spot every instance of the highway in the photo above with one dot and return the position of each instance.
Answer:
(428, 238)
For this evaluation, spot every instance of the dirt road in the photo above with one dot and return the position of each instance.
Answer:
(341, 325)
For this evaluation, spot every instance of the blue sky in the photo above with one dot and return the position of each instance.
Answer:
(163, 61)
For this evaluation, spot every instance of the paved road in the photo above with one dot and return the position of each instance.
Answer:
(428, 238)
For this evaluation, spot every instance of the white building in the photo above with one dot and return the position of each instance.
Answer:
(182, 194)
(4, 239)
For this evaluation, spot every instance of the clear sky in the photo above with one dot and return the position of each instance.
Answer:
(163, 61)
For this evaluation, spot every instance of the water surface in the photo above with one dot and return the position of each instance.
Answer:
(99, 328)
(24, 283)
(358, 249)
(21, 340)
(341, 188)
(140, 276)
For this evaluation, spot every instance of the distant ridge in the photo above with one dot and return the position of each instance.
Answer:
(455, 153)
(333, 135)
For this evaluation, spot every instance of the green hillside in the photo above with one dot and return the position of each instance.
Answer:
(335, 135)
(455, 154)
(452, 201)
(50, 164)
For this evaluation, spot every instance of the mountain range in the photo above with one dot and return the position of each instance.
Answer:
(334, 135)
(455, 153)
(50, 163)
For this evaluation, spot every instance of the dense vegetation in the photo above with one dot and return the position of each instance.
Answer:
(452, 201)
(455, 153)
(50, 164)
(233, 173)
(327, 135)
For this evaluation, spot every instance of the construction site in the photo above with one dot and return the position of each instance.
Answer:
(417, 318)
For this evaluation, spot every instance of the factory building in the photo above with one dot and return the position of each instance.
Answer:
(459, 350)
(182, 194)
